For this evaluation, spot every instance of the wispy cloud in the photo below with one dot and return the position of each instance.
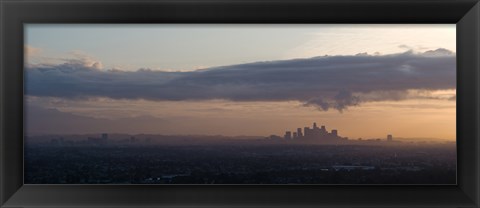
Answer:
(324, 82)
(80, 58)
(31, 51)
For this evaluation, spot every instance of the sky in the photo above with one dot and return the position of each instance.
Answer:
(363, 80)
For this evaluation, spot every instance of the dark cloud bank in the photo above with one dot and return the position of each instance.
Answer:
(324, 82)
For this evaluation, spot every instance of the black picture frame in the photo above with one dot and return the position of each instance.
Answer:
(14, 13)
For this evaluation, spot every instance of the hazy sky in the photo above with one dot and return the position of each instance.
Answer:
(364, 80)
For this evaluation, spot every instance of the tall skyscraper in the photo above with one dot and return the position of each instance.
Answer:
(315, 125)
(389, 138)
(306, 131)
(288, 135)
(299, 132)
(334, 132)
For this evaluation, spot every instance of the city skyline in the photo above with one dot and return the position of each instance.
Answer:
(287, 76)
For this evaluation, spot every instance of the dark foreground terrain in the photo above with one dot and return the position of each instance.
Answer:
(240, 164)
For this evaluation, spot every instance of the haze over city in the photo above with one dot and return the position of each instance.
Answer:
(365, 80)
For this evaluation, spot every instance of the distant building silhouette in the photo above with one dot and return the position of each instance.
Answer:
(320, 135)
(334, 132)
(299, 132)
(306, 131)
(102, 140)
(315, 134)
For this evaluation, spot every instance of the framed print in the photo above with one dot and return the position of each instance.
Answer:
(233, 121)
(260, 103)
